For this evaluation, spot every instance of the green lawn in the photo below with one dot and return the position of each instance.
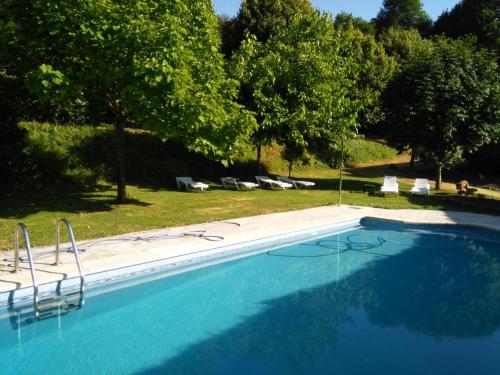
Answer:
(77, 155)
(95, 214)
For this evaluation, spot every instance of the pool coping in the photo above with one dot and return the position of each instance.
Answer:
(190, 255)
(169, 266)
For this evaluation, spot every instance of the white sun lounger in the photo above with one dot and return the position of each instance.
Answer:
(297, 184)
(233, 183)
(188, 184)
(390, 185)
(421, 186)
(265, 181)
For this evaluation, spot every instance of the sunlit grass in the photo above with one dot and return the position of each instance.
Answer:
(95, 214)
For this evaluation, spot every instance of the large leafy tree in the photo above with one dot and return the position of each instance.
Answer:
(152, 63)
(403, 13)
(346, 20)
(298, 85)
(403, 44)
(447, 101)
(12, 163)
(261, 18)
(476, 17)
(375, 69)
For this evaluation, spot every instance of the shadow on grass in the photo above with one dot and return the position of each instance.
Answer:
(69, 199)
(301, 332)
(402, 170)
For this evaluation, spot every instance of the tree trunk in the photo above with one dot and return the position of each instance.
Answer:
(439, 178)
(341, 167)
(290, 166)
(120, 161)
(412, 160)
(259, 156)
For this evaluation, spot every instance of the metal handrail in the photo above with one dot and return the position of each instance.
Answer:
(22, 227)
(73, 245)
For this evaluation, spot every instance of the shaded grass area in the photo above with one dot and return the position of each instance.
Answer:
(74, 161)
(94, 214)
(358, 151)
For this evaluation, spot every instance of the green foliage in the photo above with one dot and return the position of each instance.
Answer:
(446, 102)
(403, 13)
(474, 17)
(298, 85)
(12, 162)
(404, 44)
(154, 63)
(261, 18)
(150, 63)
(344, 20)
(376, 68)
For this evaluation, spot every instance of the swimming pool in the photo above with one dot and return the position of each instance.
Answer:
(381, 298)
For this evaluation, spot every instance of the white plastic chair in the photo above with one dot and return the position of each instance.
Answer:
(297, 184)
(188, 184)
(421, 186)
(390, 185)
(233, 183)
(273, 184)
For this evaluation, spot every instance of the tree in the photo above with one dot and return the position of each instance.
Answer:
(446, 100)
(403, 44)
(262, 18)
(144, 63)
(346, 20)
(375, 67)
(298, 85)
(12, 163)
(472, 17)
(403, 13)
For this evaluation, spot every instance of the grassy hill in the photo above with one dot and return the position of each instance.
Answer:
(84, 155)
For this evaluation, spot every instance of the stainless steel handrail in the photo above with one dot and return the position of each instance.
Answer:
(73, 245)
(22, 227)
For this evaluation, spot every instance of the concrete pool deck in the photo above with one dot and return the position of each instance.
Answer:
(126, 250)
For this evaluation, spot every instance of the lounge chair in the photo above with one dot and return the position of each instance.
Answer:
(421, 186)
(265, 181)
(390, 185)
(188, 184)
(297, 184)
(233, 183)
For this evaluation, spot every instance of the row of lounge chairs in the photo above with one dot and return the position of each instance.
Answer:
(390, 185)
(187, 183)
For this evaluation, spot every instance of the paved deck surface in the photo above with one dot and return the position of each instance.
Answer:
(134, 248)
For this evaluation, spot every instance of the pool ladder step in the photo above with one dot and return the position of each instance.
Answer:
(59, 305)
(62, 303)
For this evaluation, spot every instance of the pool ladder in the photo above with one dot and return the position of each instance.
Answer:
(45, 308)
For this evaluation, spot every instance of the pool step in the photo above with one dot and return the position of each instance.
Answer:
(47, 308)
(58, 305)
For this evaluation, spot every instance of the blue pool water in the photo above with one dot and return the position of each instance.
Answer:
(380, 299)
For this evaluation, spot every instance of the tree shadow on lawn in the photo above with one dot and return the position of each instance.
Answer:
(402, 170)
(69, 199)
(455, 202)
(302, 332)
